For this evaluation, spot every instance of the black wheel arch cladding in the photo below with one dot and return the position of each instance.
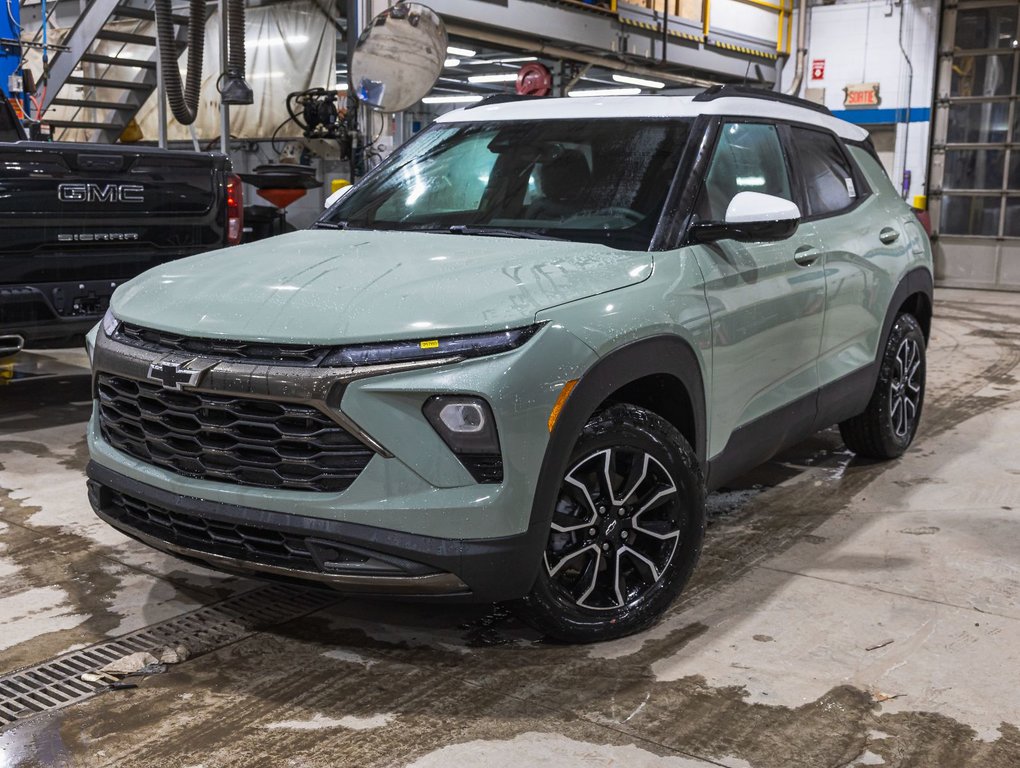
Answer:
(916, 282)
(654, 356)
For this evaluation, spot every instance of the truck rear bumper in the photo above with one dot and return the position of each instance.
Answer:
(53, 314)
(349, 557)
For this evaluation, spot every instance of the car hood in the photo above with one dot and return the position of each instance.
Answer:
(327, 287)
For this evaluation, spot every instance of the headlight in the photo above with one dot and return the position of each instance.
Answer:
(110, 323)
(475, 345)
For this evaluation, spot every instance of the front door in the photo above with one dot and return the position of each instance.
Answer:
(766, 299)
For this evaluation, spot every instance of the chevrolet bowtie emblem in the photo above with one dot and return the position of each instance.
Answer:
(179, 375)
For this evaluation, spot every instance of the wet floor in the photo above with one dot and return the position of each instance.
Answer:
(844, 613)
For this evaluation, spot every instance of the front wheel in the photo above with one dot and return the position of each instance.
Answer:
(626, 532)
(886, 429)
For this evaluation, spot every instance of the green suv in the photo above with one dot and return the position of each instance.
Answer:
(508, 364)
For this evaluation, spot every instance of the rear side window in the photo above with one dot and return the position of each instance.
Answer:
(828, 176)
(748, 158)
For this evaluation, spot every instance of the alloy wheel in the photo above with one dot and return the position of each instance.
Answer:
(615, 529)
(905, 388)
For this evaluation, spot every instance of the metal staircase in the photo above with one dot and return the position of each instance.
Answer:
(105, 71)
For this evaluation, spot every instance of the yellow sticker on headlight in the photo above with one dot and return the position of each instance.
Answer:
(431, 344)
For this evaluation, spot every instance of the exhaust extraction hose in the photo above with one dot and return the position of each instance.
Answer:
(183, 101)
(235, 37)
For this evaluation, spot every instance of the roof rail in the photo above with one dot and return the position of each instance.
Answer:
(748, 92)
(502, 98)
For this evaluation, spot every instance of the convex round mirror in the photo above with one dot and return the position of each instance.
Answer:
(399, 57)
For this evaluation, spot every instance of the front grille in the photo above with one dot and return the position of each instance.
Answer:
(241, 542)
(229, 439)
(264, 544)
(250, 351)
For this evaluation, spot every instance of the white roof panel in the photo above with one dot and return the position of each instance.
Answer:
(592, 108)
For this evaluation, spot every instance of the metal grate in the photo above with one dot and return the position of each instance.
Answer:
(231, 439)
(57, 683)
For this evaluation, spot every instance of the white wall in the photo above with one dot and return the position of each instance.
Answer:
(860, 43)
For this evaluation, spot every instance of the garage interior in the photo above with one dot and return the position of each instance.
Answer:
(844, 613)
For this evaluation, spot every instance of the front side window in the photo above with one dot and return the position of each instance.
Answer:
(748, 158)
(828, 177)
(602, 181)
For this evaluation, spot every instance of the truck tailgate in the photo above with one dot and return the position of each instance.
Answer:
(81, 212)
(77, 220)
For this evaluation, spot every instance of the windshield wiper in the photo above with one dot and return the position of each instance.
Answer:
(463, 229)
(342, 224)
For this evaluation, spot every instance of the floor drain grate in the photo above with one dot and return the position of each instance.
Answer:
(57, 683)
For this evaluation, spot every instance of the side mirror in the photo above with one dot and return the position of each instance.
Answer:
(337, 195)
(751, 217)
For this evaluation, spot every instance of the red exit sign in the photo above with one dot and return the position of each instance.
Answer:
(861, 95)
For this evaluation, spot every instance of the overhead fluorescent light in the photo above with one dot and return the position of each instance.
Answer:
(451, 62)
(605, 92)
(454, 51)
(503, 78)
(638, 81)
(465, 98)
(514, 60)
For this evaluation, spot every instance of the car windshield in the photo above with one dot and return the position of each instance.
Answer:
(601, 181)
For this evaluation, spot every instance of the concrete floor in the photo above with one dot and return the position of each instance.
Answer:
(844, 614)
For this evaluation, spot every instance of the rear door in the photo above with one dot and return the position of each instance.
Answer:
(766, 299)
(863, 243)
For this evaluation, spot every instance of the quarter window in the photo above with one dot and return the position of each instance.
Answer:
(748, 158)
(828, 178)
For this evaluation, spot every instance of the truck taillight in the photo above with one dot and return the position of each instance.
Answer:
(235, 210)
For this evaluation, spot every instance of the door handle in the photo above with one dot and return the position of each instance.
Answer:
(888, 235)
(806, 255)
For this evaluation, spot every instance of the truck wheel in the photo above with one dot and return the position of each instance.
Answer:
(886, 429)
(626, 530)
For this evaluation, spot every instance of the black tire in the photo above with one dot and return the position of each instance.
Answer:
(888, 425)
(613, 572)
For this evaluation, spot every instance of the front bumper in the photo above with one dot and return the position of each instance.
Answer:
(348, 557)
(414, 514)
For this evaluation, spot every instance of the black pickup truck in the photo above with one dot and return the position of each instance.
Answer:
(77, 220)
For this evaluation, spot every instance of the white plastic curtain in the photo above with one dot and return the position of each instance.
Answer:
(290, 47)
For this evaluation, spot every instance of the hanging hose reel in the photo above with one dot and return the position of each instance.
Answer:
(232, 86)
(184, 99)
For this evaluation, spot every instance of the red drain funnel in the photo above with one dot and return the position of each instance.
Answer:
(281, 198)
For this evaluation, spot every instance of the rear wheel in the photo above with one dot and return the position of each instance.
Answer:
(888, 425)
(626, 530)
